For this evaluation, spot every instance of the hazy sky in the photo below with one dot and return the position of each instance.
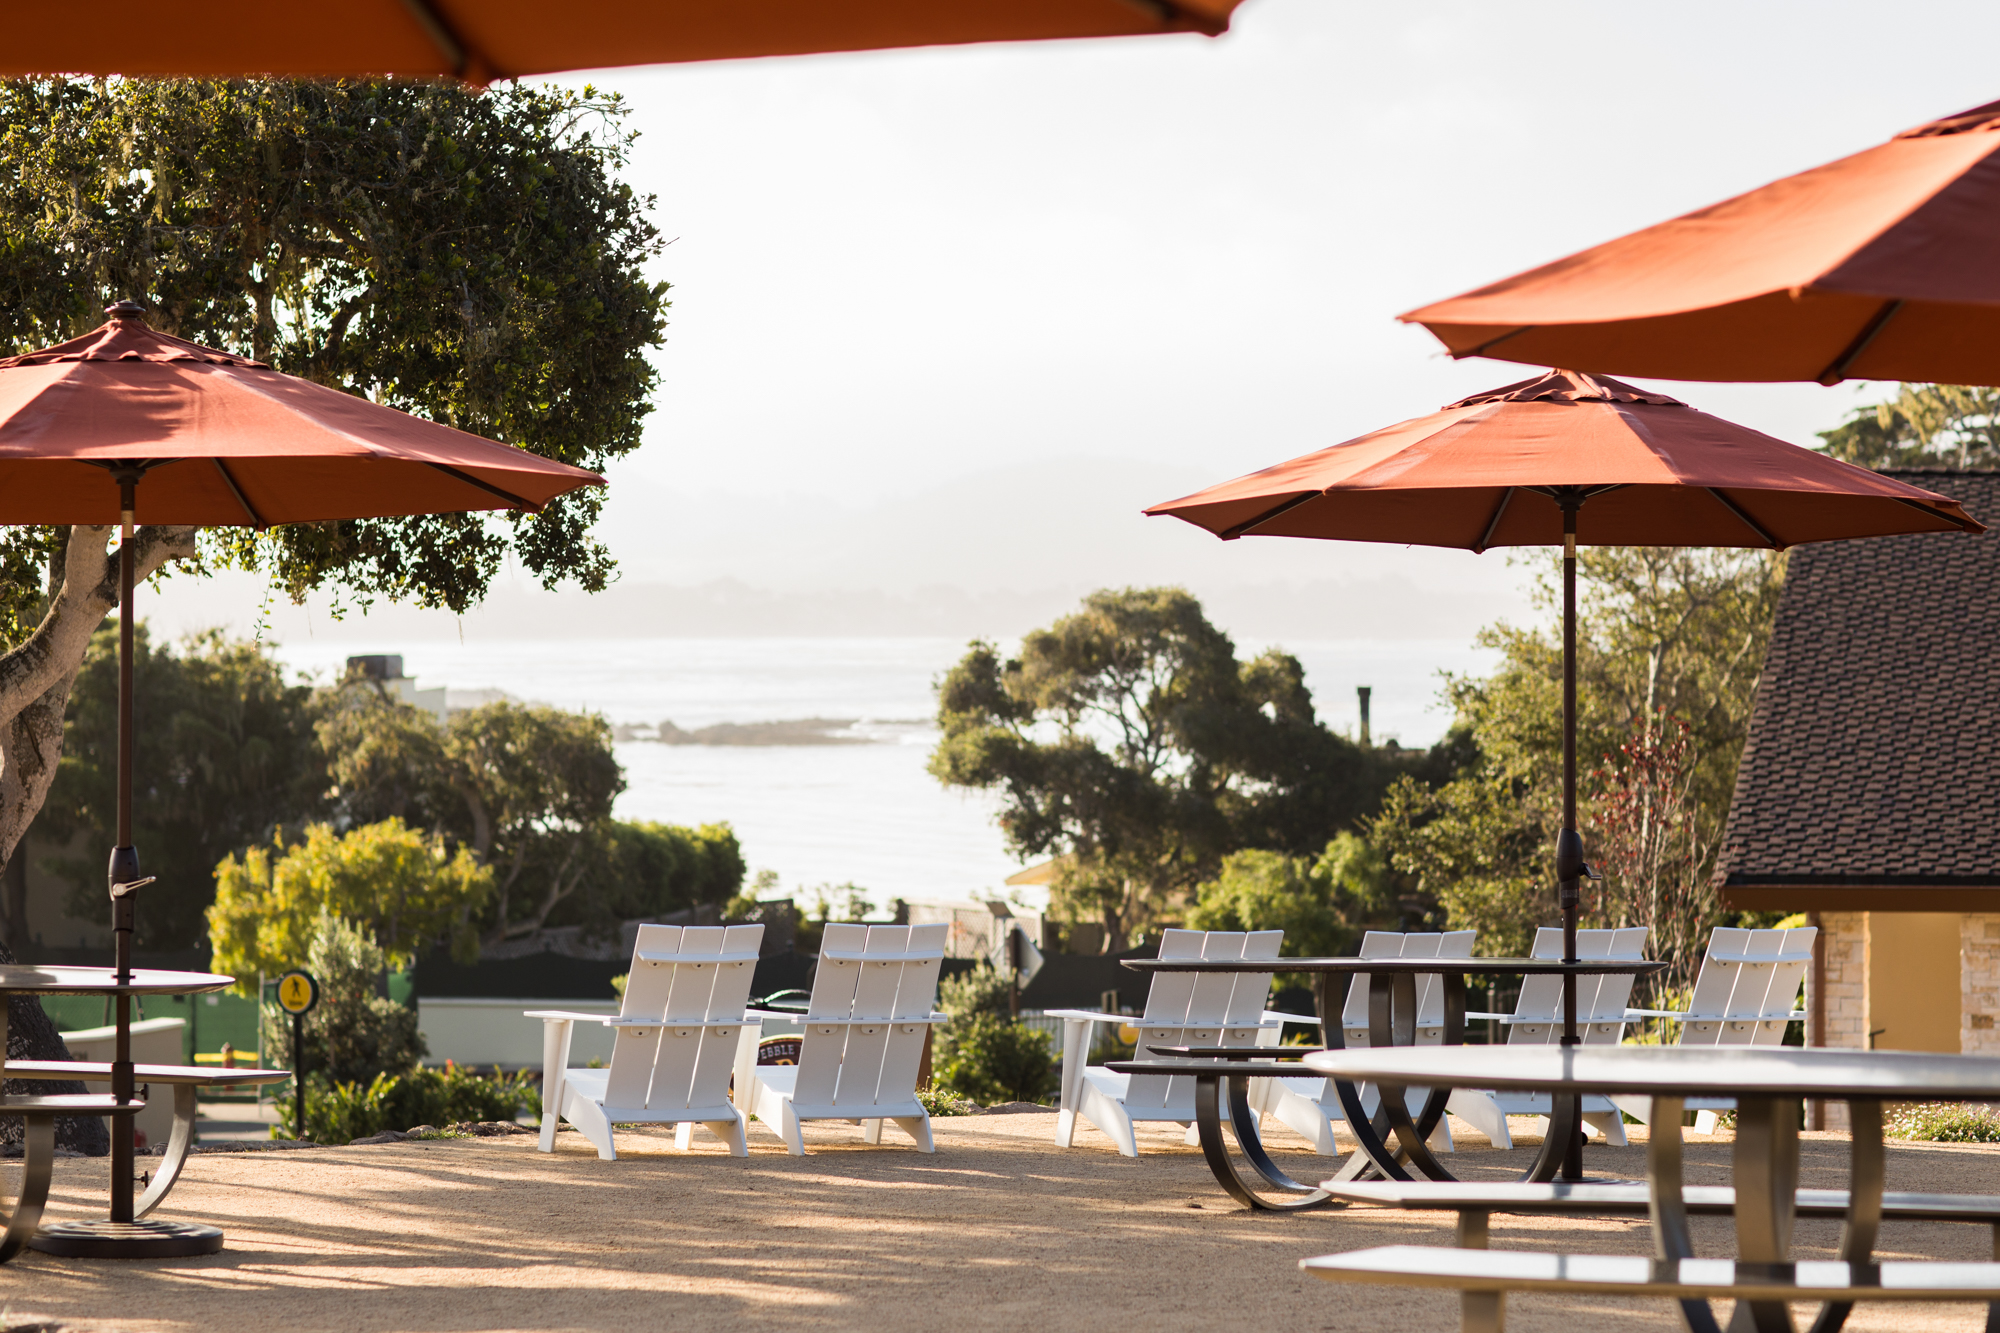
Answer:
(952, 317)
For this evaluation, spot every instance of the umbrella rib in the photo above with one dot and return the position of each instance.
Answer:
(256, 519)
(1748, 521)
(470, 480)
(440, 33)
(1486, 538)
(1837, 371)
(1490, 343)
(1231, 534)
(1962, 524)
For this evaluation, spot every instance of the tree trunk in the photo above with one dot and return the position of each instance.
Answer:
(14, 885)
(35, 681)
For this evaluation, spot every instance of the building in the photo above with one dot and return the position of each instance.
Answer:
(1869, 790)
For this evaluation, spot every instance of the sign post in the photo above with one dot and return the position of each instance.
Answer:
(298, 995)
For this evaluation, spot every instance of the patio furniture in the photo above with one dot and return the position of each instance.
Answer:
(1742, 996)
(678, 1032)
(1537, 1020)
(1215, 1009)
(1310, 1105)
(872, 1005)
(1769, 1084)
(97, 1238)
(1392, 988)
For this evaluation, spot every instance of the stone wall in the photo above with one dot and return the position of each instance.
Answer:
(1844, 935)
(1979, 980)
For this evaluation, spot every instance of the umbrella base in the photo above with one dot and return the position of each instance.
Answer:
(126, 1240)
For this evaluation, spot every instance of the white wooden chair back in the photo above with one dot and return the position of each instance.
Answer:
(1746, 986)
(681, 1016)
(1430, 989)
(1200, 1008)
(1354, 1013)
(864, 1026)
(1601, 1000)
(1538, 1008)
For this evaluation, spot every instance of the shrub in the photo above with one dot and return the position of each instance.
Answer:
(940, 1102)
(1943, 1122)
(990, 1059)
(342, 1112)
(354, 1033)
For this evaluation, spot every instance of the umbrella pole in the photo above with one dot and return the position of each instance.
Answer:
(124, 867)
(1569, 844)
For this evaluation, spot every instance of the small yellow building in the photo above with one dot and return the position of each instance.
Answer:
(1869, 790)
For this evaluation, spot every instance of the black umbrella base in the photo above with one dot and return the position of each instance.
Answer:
(126, 1240)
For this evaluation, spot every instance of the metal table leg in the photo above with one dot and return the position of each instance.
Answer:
(1294, 1195)
(38, 1158)
(179, 1140)
(1766, 1172)
(1392, 1021)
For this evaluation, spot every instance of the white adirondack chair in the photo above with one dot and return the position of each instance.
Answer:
(1743, 996)
(873, 999)
(1182, 1009)
(677, 1035)
(1309, 1105)
(1538, 1020)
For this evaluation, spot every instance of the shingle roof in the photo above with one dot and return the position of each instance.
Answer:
(1873, 759)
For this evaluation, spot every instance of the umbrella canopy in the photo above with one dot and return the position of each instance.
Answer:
(483, 40)
(1523, 466)
(1488, 471)
(125, 425)
(1884, 265)
(226, 441)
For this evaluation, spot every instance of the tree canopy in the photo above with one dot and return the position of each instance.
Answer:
(467, 256)
(1130, 739)
(1670, 646)
(224, 753)
(1322, 903)
(1924, 425)
(401, 888)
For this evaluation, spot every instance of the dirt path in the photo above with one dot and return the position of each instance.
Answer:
(1000, 1230)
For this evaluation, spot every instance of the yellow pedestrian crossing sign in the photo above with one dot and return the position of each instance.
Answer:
(297, 993)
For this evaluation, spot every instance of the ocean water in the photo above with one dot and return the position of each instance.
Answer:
(868, 814)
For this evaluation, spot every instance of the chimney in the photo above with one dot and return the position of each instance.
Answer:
(1364, 691)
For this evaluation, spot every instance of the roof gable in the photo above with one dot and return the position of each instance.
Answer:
(1873, 759)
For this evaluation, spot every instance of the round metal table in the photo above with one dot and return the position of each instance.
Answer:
(1392, 1022)
(1769, 1083)
(119, 1235)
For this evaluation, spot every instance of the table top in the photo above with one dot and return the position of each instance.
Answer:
(1674, 1071)
(29, 979)
(1390, 966)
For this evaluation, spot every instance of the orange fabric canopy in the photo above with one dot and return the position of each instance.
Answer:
(482, 40)
(1884, 265)
(231, 442)
(1479, 473)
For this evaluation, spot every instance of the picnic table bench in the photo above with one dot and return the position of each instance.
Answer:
(1769, 1084)
(187, 1081)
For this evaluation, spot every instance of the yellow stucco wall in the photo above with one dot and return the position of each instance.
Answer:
(1913, 985)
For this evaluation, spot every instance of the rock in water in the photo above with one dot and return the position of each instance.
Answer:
(31, 1036)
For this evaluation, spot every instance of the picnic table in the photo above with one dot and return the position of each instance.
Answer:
(102, 1238)
(1769, 1085)
(1392, 1022)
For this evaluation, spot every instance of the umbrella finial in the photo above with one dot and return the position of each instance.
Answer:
(125, 309)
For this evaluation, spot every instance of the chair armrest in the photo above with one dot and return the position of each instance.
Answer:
(1469, 1016)
(1659, 1013)
(1281, 1016)
(548, 1014)
(1088, 1015)
(759, 1015)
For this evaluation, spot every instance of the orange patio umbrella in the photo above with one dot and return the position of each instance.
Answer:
(1884, 265)
(483, 40)
(125, 424)
(1573, 459)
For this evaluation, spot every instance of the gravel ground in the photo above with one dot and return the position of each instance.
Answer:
(999, 1230)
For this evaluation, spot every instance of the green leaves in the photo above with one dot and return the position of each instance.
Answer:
(1128, 738)
(469, 257)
